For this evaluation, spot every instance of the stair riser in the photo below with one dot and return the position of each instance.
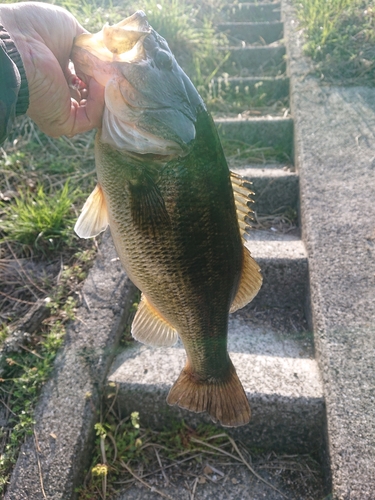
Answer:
(251, 88)
(252, 32)
(255, 61)
(289, 425)
(252, 12)
(276, 134)
(274, 195)
(284, 284)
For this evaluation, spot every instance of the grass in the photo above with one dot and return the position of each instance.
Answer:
(39, 221)
(39, 257)
(28, 367)
(340, 37)
(222, 96)
(181, 457)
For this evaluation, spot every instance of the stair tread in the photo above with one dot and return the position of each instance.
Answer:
(280, 370)
(251, 79)
(250, 23)
(264, 118)
(262, 48)
(263, 171)
(275, 246)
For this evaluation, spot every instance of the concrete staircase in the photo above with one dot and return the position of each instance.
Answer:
(269, 340)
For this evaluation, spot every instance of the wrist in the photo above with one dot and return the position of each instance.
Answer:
(11, 50)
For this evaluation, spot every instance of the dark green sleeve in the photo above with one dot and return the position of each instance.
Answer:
(14, 92)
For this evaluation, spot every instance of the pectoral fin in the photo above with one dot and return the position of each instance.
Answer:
(149, 326)
(94, 216)
(147, 206)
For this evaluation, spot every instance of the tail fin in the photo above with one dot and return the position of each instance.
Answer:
(225, 401)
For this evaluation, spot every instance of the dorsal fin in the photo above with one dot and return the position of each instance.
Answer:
(94, 216)
(250, 282)
(251, 278)
(242, 197)
(149, 326)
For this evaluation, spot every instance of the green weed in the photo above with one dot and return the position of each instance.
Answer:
(190, 34)
(127, 338)
(27, 370)
(340, 38)
(39, 222)
(94, 14)
(126, 453)
(20, 385)
(123, 444)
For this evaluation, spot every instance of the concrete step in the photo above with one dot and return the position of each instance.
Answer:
(233, 481)
(264, 132)
(270, 347)
(274, 88)
(279, 376)
(252, 12)
(246, 61)
(276, 188)
(264, 32)
(283, 261)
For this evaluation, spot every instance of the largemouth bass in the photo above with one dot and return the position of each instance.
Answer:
(176, 214)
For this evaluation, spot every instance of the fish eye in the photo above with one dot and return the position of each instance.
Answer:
(148, 43)
(163, 60)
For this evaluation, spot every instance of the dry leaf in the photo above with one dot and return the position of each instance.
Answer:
(207, 470)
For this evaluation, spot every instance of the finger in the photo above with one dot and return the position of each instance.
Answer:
(88, 115)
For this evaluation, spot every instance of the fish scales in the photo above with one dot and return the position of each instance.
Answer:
(166, 192)
(195, 257)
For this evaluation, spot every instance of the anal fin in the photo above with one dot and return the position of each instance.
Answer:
(149, 326)
(224, 400)
(250, 282)
(94, 216)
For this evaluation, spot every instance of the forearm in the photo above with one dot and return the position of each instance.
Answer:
(14, 93)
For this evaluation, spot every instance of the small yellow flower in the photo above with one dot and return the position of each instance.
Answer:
(100, 470)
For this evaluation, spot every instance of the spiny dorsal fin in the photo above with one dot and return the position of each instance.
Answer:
(149, 326)
(94, 216)
(242, 197)
(251, 279)
(250, 282)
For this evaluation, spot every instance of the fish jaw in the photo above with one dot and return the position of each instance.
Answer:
(120, 42)
(151, 105)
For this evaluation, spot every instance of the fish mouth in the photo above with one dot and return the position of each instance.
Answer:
(120, 42)
(151, 105)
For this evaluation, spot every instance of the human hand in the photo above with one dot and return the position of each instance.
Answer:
(44, 36)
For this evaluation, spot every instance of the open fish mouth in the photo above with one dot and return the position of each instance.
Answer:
(151, 105)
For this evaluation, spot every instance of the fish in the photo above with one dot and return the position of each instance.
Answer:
(177, 215)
